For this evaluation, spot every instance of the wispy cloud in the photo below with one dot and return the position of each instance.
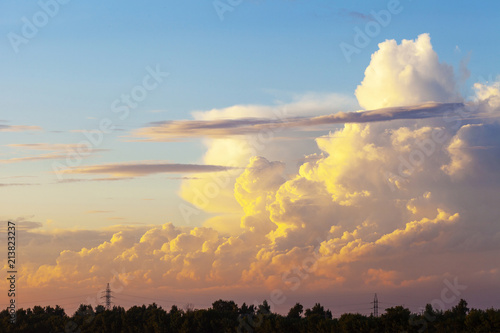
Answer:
(144, 169)
(85, 131)
(50, 146)
(16, 184)
(25, 225)
(51, 156)
(357, 15)
(183, 129)
(15, 177)
(182, 178)
(18, 128)
(79, 180)
(57, 151)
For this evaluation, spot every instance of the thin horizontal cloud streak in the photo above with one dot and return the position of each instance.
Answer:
(15, 177)
(18, 128)
(144, 169)
(52, 156)
(172, 130)
(16, 184)
(76, 180)
(25, 225)
(51, 146)
(57, 151)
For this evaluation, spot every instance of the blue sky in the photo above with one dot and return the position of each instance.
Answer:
(90, 52)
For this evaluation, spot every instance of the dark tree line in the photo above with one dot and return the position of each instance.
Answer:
(227, 316)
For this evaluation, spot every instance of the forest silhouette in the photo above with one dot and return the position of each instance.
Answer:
(227, 316)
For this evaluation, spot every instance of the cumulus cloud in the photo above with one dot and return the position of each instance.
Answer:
(405, 74)
(392, 204)
(475, 146)
(246, 139)
(255, 190)
(488, 93)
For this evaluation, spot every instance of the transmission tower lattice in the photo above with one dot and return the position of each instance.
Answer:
(375, 306)
(107, 296)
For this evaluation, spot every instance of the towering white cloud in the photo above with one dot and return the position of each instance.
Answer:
(405, 74)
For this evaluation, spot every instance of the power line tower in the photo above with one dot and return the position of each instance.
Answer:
(107, 296)
(375, 306)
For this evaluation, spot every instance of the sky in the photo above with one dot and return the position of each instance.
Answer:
(294, 151)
